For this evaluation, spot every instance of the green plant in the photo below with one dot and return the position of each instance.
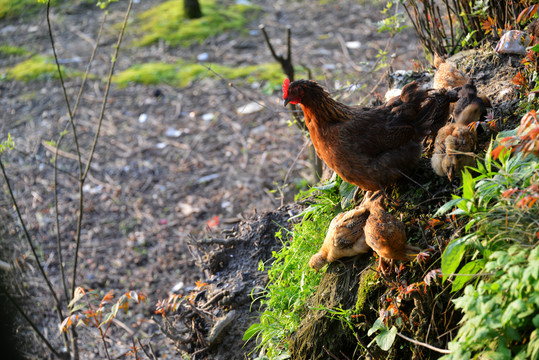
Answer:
(291, 280)
(501, 314)
(183, 74)
(167, 22)
(37, 67)
(449, 26)
(7, 144)
(13, 50)
(499, 248)
(394, 24)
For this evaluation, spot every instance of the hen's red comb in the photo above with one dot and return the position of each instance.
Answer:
(285, 87)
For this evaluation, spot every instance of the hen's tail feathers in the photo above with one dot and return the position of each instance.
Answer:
(411, 93)
(435, 111)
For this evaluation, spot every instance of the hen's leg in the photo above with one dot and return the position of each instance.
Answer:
(355, 198)
(382, 266)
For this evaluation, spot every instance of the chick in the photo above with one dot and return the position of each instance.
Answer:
(455, 144)
(385, 234)
(447, 75)
(345, 237)
(468, 95)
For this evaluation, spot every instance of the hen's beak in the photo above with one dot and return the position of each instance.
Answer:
(286, 101)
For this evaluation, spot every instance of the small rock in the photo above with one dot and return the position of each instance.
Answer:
(208, 117)
(208, 178)
(171, 132)
(177, 287)
(329, 66)
(8, 29)
(513, 42)
(203, 57)
(142, 118)
(353, 44)
(250, 108)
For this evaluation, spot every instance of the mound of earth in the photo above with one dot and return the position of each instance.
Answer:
(223, 310)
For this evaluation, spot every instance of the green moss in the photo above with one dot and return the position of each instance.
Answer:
(167, 22)
(13, 50)
(368, 278)
(36, 68)
(183, 74)
(13, 8)
(16, 8)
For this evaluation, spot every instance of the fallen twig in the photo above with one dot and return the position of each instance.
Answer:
(433, 348)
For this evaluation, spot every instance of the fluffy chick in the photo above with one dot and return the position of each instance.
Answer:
(468, 95)
(385, 234)
(447, 75)
(455, 144)
(345, 238)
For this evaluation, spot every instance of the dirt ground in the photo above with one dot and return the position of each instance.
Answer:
(159, 184)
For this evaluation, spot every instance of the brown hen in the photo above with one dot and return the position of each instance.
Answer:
(455, 144)
(370, 147)
(385, 234)
(447, 75)
(345, 238)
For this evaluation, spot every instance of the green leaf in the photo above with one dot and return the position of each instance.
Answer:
(471, 268)
(386, 338)
(347, 192)
(378, 324)
(448, 206)
(468, 184)
(453, 254)
(7, 144)
(512, 310)
(327, 186)
(535, 321)
(533, 347)
(252, 331)
(108, 319)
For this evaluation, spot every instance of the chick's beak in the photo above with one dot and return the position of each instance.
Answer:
(286, 101)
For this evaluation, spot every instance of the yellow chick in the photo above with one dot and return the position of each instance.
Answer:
(345, 238)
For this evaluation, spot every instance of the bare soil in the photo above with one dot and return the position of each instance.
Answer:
(151, 198)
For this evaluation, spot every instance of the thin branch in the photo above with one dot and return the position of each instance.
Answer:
(58, 235)
(346, 54)
(433, 348)
(330, 354)
(90, 62)
(28, 238)
(66, 99)
(151, 355)
(100, 121)
(34, 327)
(287, 66)
(231, 84)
